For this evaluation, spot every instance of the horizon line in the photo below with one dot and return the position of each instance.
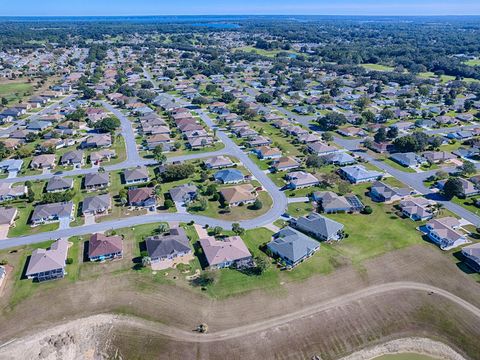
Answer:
(258, 15)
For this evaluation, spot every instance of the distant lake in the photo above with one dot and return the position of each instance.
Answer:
(406, 356)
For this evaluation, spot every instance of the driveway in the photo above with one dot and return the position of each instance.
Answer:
(64, 223)
(89, 219)
(4, 231)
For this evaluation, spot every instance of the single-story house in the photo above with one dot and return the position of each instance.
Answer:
(142, 197)
(184, 193)
(136, 176)
(382, 192)
(58, 184)
(10, 192)
(44, 161)
(96, 205)
(417, 208)
(444, 232)
(218, 162)
(102, 247)
(319, 227)
(48, 213)
(330, 202)
(229, 176)
(268, 153)
(471, 253)
(239, 194)
(358, 174)
(409, 159)
(8, 215)
(169, 250)
(74, 157)
(292, 246)
(228, 252)
(301, 179)
(285, 163)
(97, 181)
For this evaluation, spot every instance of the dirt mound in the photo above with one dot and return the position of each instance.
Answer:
(79, 339)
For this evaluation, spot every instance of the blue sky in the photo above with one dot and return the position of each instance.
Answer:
(214, 7)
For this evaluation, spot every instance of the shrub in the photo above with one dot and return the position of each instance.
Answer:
(367, 210)
(69, 261)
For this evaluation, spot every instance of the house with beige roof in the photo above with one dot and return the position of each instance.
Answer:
(239, 194)
(44, 161)
(228, 252)
(48, 264)
(285, 163)
(417, 208)
(446, 233)
(218, 162)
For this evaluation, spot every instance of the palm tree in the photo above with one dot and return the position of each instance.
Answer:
(146, 260)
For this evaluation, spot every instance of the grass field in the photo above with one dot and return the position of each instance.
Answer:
(473, 62)
(14, 91)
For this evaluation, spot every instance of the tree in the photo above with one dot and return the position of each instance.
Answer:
(237, 229)
(228, 97)
(217, 230)
(205, 279)
(264, 98)
(380, 136)
(211, 189)
(331, 121)
(392, 132)
(4, 151)
(368, 116)
(327, 136)
(168, 204)
(411, 143)
(315, 161)
(159, 155)
(261, 265)
(468, 168)
(363, 102)
(257, 205)
(88, 93)
(146, 261)
(109, 124)
(4, 101)
(344, 187)
(367, 210)
(453, 187)
(175, 172)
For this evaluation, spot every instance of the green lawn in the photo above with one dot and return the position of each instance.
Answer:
(396, 165)
(473, 62)
(467, 204)
(377, 67)
(14, 91)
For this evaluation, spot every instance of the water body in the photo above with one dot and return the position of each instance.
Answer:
(406, 356)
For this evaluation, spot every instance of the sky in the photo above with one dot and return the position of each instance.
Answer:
(238, 7)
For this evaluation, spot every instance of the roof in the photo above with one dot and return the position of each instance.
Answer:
(96, 179)
(58, 183)
(228, 175)
(229, 249)
(73, 156)
(101, 244)
(319, 224)
(170, 244)
(360, 172)
(140, 195)
(179, 193)
(136, 174)
(388, 191)
(7, 215)
(239, 193)
(60, 210)
(292, 244)
(45, 260)
(96, 203)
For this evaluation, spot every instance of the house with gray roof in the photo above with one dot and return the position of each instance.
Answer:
(319, 227)
(74, 158)
(184, 193)
(136, 175)
(330, 202)
(59, 184)
(340, 158)
(358, 174)
(96, 205)
(381, 192)
(168, 250)
(301, 179)
(292, 246)
(471, 254)
(48, 264)
(409, 159)
(49, 213)
(8, 215)
(97, 181)
(229, 176)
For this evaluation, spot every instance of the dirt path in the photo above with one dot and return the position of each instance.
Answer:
(177, 334)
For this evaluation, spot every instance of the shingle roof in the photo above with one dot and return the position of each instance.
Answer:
(171, 244)
(230, 249)
(45, 260)
(292, 244)
(100, 244)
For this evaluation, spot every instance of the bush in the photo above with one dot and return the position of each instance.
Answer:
(367, 210)
(4, 262)
(257, 205)
(69, 261)
(168, 204)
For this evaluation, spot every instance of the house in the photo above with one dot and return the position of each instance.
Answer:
(468, 187)
(102, 247)
(382, 192)
(409, 159)
(285, 163)
(49, 213)
(239, 194)
(59, 184)
(301, 179)
(135, 176)
(292, 246)
(229, 176)
(228, 252)
(352, 131)
(74, 158)
(98, 141)
(340, 158)
(39, 125)
(471, 253)
(319, 148)
(11, 165)
(218, 162)
(319, 227)
(48, 264)
(96, 181)
(330, 202)
(45, 161)
(436, 157)
(9, 192)
(170, 249)
(96, 205)
(102, 155)
(445, 233)
(417, 208)
(184, 194)
(267, 153)
(8, 215)
(358, 174)
(142, 197)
